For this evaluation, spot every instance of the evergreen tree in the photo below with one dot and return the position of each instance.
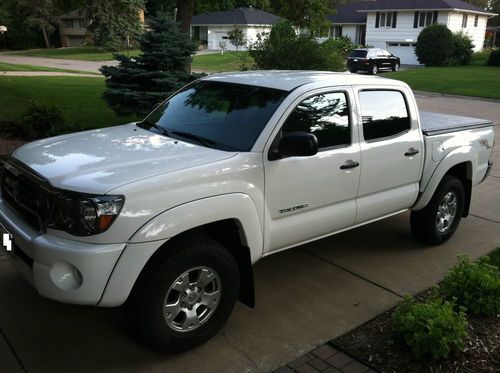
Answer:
(137, 84)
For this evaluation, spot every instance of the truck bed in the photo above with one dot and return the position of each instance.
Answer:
(436, 123)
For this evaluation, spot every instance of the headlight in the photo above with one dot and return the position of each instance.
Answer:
(84, 215)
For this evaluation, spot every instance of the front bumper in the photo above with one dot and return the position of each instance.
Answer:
(60, 269)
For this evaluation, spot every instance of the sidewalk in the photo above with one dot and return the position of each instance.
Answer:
(305, 297)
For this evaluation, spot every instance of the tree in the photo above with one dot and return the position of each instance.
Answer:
(463, 48)
(113, 22)
(237, 37)
(137, 84)
(41, 15)
(434, 45)
(310, 14)
(285, 50)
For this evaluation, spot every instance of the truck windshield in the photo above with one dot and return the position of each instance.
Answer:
(223, 116)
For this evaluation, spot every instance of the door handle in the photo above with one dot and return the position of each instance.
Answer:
(410, 152)
(349, 164)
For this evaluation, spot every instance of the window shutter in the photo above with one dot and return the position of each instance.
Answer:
(435, 17)
(377, 19)
(415, 20)
(394, 19)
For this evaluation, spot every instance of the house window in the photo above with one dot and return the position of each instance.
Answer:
(337, 31)
(476, 20)
(423, 19)
(386, 19)
(68, 23)
(465, 16)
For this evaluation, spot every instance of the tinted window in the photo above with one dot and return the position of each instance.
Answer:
(224, 116)
(358, 53)
(384, 114)
(326, 116)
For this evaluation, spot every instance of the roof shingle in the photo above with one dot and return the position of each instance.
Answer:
(238, 16)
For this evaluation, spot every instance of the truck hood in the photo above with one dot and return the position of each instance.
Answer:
(101, 160)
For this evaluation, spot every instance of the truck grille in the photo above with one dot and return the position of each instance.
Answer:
(26, 192)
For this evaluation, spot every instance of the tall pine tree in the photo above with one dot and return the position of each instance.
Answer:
(137, 84)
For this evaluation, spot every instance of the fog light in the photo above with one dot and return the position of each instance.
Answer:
(66, 276)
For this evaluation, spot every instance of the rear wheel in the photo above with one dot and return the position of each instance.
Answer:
(353, 71)
(438, 221)
(186, 296)
(374, 69)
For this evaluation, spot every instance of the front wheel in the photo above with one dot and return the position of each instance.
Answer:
(395, 67)
(438, 221)
(185, 296)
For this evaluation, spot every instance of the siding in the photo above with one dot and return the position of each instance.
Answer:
(475, 33)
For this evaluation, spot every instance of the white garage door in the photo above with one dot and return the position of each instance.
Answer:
(222, 37)
(405, 52)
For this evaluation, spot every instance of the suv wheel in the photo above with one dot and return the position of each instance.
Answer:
(185, 296)
(438, 221)
(374, 69)
(353, 71)
(395, 67)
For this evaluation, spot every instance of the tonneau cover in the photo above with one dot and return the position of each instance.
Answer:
(436, 123)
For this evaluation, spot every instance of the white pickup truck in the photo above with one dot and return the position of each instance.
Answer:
(169, 214)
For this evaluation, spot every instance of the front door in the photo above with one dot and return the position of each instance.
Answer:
(307, 197)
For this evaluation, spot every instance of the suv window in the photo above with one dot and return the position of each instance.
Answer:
(326, 116)
(358, 53)
(384, 114)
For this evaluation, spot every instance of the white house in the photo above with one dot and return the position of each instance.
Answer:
(395, 24)
(211, 29)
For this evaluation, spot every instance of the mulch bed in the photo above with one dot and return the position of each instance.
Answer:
(375, 344)
(8, 146)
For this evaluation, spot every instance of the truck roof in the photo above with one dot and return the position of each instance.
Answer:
(288, 80)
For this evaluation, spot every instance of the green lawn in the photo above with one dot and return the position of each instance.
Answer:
(4, 66)
(472, 80)
(81, 53)
(79, 98)
(216, 62)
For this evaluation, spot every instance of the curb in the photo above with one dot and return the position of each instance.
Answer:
(437, 94)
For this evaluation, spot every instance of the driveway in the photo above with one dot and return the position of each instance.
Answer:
(305, 296)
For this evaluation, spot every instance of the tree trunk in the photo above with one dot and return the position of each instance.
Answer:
(185, 10)
(45, 37)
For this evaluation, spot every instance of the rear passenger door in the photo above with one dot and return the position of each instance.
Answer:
(391, 152)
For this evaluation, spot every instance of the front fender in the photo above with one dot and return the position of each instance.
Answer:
(465, 154)
(150, 237)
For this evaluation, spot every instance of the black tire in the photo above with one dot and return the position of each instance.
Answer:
(147, 302)
(425, 223)
(395, 66)
(354, 71)
(374, 69)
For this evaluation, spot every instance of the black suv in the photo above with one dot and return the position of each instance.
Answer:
(372, 60)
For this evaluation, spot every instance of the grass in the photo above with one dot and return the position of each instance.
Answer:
(80, 53)
(79, 98)
(4, 66)
(472, 80)
(216, 62)
(495, 257)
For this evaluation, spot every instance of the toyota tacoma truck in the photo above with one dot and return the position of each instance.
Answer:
(169, 214)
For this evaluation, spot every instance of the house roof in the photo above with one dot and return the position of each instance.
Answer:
(238, 16)
(356, 12)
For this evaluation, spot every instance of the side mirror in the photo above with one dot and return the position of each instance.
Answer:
(297, 144)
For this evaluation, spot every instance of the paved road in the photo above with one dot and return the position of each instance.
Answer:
(305, 296)
(56, 63)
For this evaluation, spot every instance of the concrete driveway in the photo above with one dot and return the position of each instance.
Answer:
(305, 296)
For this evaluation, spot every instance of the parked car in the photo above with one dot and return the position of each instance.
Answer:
(169, 214)
(372, 60)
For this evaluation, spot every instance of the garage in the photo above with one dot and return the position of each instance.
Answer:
(221, 37)
(405, 52)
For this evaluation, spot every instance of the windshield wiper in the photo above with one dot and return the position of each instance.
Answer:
(200, 139)
(162, 130)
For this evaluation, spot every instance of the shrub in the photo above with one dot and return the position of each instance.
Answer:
(462, 49)
(40, 118)
(482, 56)
(431, 328)
(475, 286)
(494, 59)
(434, 45)
(283, 49)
